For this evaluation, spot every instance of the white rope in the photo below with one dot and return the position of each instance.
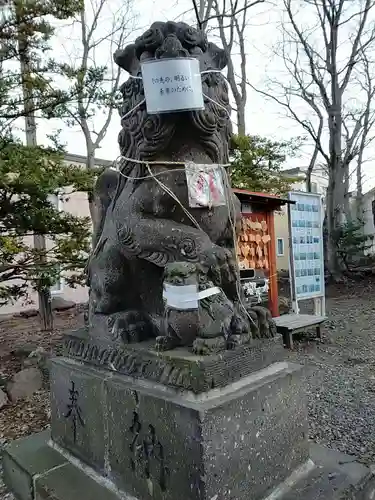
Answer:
(212, 71)
(159, 162)
(133, 109)
(132, 178)
(153, 174)
(217, 103)
(172, 195)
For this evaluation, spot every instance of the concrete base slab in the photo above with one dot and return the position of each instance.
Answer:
(35, 471)
(69, 482)
(336, 476)
(27, 459)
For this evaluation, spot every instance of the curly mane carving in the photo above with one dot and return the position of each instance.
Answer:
(146, 136)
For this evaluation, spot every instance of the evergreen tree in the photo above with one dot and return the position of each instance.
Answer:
(28, 178)
(256, 163)
(29, 174)
(351, 243)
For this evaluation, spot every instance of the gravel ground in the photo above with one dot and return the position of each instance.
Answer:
(340, 379)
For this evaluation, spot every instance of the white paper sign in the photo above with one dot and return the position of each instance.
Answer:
(172, 85)
(306, 237)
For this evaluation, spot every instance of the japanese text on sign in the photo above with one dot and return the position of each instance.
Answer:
(172, 85)
(169, 85)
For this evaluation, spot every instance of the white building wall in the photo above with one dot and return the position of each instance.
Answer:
(77, 204)
(368, 218)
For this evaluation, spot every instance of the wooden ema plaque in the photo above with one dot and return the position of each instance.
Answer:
(253, 243)
(256, 249)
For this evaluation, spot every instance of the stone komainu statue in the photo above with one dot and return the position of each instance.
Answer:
(140, 228)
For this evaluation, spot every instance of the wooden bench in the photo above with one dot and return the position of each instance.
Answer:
(289, 324)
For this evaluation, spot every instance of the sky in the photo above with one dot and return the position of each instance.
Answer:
(263, 117)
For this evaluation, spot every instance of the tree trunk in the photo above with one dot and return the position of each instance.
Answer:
(330, 225)
(90, 165)
(359, 194)
(366, 128)
(346, 193)
(308, 178)
(311, 166)
(44, 293)
(336, 186)
(205, 9)
(235, 30)
(241, 120)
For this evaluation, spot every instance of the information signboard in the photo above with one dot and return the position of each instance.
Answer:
(306, 246)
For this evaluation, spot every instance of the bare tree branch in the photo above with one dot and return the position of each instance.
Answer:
(323, 62)
(234, 12)
(231, 36)
(357, 42)
(309, 52)
(87, 99)
(96, 79)
(198, 14)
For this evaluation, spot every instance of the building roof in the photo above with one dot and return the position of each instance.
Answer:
(370, 192)
(302, 171)
(293, 171)
(271, 200)
(83, 159)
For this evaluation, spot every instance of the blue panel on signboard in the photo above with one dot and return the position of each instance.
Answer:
(306, 235)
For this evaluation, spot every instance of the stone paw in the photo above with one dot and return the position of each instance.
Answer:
(200, 347)
(165, 343)
(203, 347)
(273, 328)
(237, 340)
(239, 324)
(131, 327)
(231, 343)
(266, 325)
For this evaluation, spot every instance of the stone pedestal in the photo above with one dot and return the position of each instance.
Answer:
(119, 437)
(156, 443)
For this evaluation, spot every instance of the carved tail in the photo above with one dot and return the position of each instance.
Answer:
(103, 194)
(104, 191)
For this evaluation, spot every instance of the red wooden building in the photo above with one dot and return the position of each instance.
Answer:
(256, 243)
